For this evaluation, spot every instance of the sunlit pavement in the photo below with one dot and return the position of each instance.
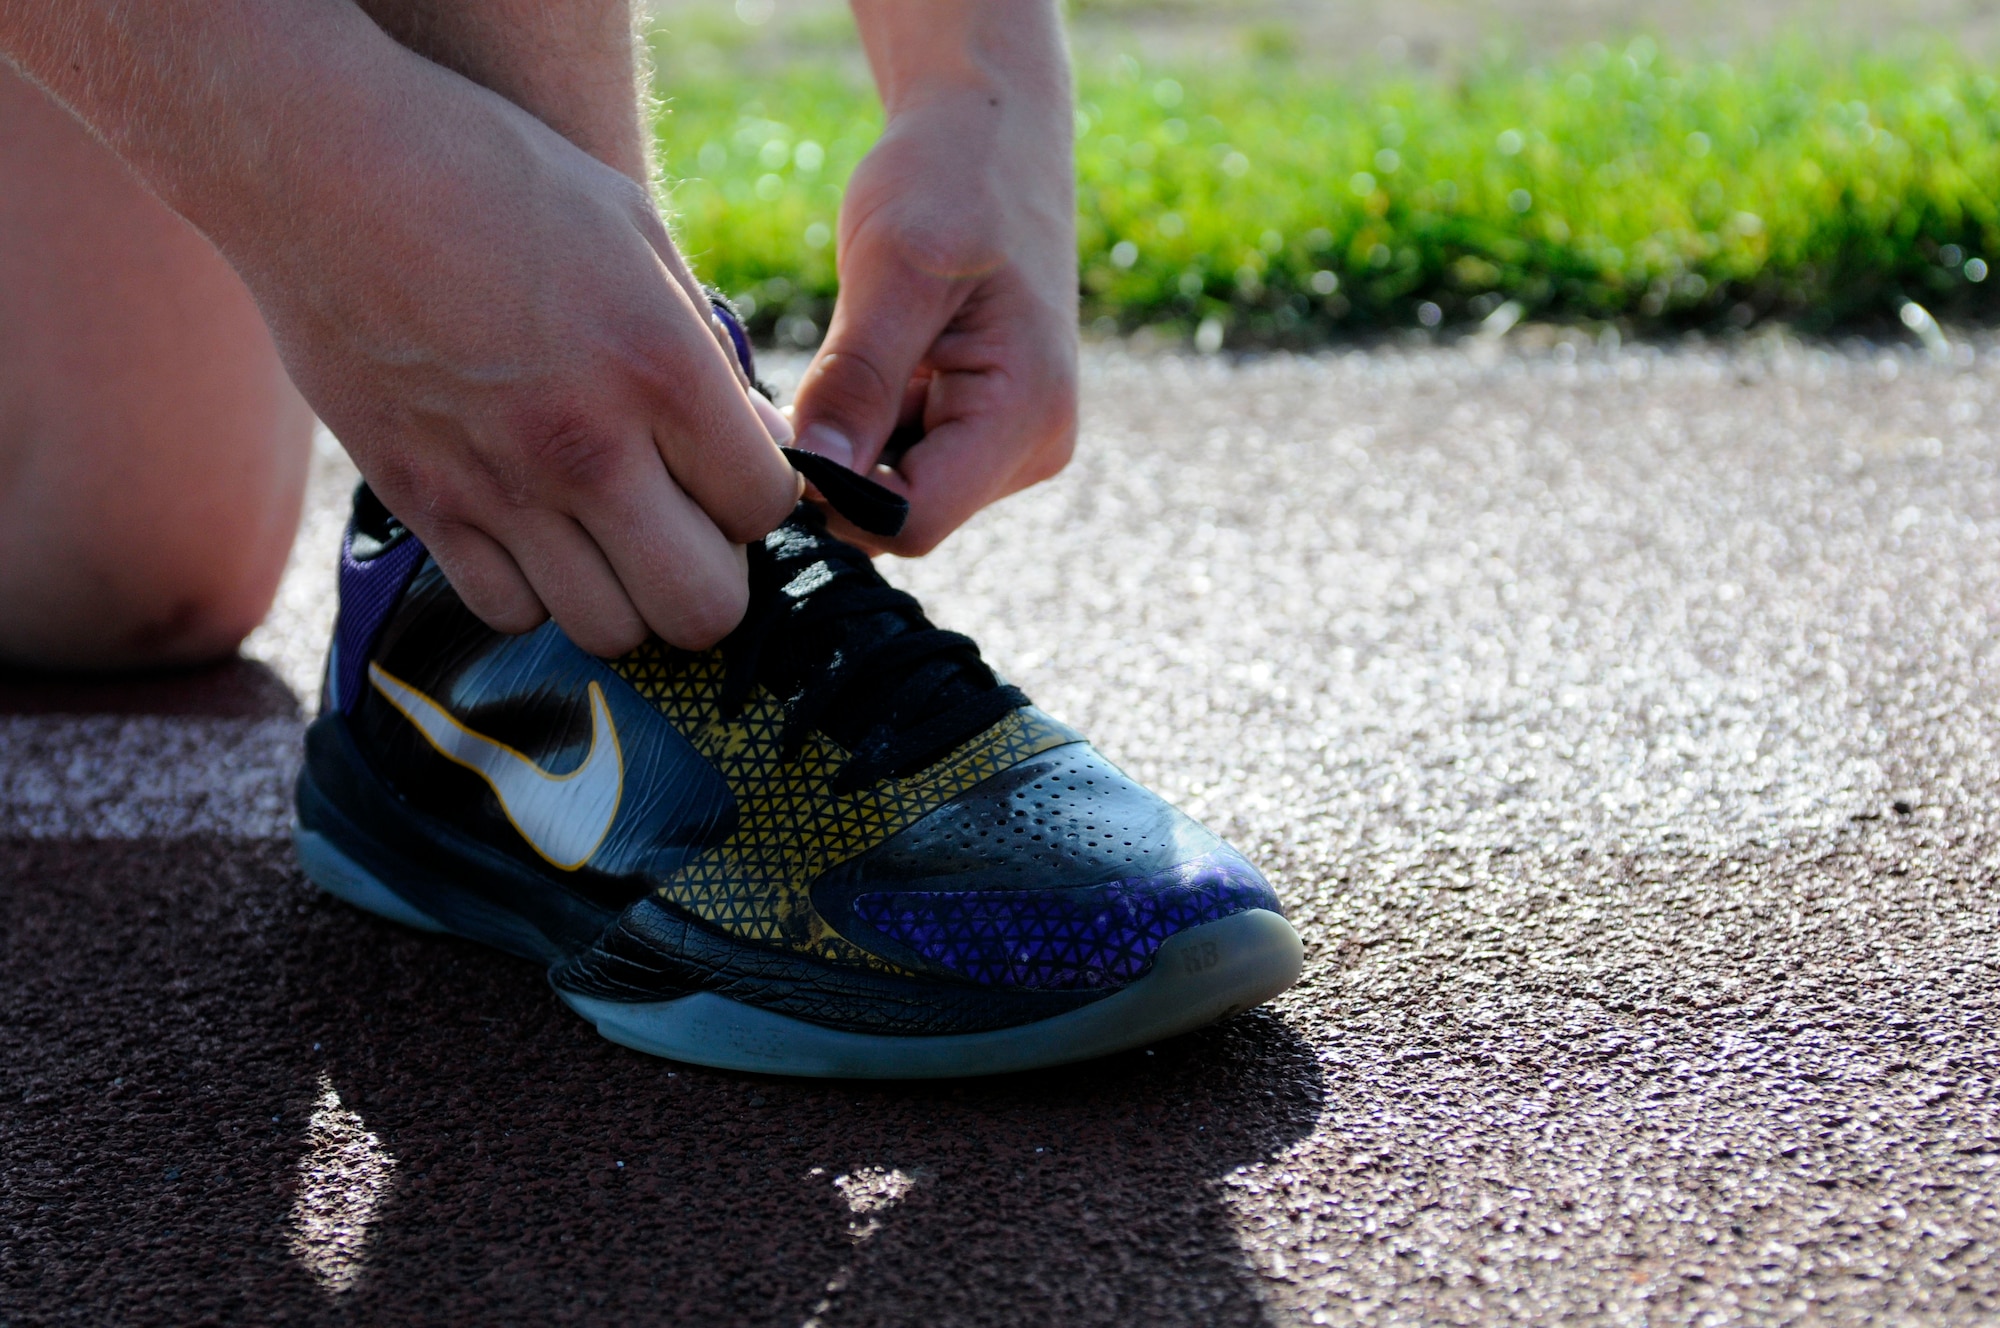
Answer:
(1619, 725)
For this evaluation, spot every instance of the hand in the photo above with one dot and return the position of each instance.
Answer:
(493, 321)
(498, 328)
(957, 311)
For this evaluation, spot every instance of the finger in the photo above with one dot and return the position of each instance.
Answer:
(662, 242)
(991, 433)
(846, 530)
(884, 321)
(774, 419)
(717, 446)
(961, 466)
(486, 577)
(571, 575)
(1026, 413)
(685, 577)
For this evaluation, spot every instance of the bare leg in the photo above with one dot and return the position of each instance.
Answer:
(152, 450)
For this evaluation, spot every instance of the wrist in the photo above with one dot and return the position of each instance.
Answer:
(925, 52)
(355, 136)
(337, 140)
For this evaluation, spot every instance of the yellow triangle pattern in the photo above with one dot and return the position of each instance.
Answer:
(790, 825)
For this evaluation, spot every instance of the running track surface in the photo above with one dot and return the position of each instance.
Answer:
(1618, 724)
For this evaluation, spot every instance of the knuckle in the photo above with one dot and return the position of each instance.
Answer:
(637, 202)
(756, 516)
(492, 480)
(919, 538)
(1058, 432)
(416, 490)
(1053, 457)
(443, 506)
(575, 454)
(708, 615)
(608, 640)
(634, 196)
(1062, 412)
(508, 610)
(655, 355)
(846, 385)
(512, 616)
(698, 631)
(484, 583)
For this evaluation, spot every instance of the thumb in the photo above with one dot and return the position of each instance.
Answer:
(885, 320)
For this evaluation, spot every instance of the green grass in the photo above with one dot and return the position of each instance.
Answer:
(1285, 204)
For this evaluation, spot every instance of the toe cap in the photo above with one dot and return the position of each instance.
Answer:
(1061, 874)
(1064, 938)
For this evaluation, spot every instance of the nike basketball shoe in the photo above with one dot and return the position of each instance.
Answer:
(837, 844)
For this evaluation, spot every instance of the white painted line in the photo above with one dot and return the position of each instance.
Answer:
(131, 777)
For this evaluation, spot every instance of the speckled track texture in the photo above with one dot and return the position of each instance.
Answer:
(1620, 726)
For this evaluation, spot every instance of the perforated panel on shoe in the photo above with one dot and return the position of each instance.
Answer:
(1092, 936)
(1066, 817)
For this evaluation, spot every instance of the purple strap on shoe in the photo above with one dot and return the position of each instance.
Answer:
(737, 336)
(368, 591)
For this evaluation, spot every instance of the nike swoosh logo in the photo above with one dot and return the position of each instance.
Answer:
(563, 817)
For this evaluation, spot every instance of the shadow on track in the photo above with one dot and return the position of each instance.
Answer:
(233, 689)
(163, 1004)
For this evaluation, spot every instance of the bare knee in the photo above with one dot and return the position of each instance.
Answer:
(152, 449)
(191, 629)
(159, 544)
(190, 614)
(173, 588)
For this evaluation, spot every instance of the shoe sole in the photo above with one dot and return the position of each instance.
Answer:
(1200, 975)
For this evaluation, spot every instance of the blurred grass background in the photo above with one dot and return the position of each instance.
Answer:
(1249, 177)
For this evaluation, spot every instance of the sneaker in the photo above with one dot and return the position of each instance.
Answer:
(835, 845)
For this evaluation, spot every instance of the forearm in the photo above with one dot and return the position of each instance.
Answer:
(569, 63)
(980, 126)
(213, 103)
(1010, 51)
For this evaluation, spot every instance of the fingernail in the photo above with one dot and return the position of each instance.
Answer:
(829, 442)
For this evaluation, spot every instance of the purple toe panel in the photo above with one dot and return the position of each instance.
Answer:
(1063, 940)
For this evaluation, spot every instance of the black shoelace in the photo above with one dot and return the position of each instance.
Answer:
(853, 656)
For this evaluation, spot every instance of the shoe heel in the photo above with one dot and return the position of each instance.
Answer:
(347, 880)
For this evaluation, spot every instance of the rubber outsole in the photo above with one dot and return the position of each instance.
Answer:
(1200, 975)
(347, 880)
